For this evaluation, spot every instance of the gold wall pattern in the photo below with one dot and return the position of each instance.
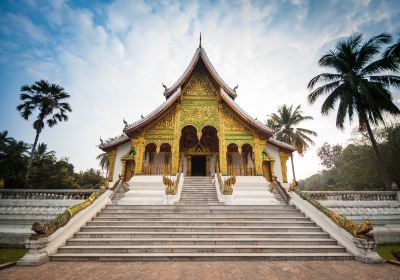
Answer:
(199, 116)
(199, 84)
(165, 122)
(230, 122)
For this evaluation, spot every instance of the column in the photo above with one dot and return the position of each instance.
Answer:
(221, 139)
(111, 155)
(258, 144)
(283, 156)
(138, 144)
(175, 145)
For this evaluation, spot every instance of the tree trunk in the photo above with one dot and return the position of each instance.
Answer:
(31, 156)
(294, 174)
(382, 169)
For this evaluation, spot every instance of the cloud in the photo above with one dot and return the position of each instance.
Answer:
(113, 57)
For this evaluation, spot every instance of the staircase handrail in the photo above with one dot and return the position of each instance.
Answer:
(358, 231)
(116, 187)
(45, 230)
(282, 191)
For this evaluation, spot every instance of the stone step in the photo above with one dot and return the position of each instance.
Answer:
(198, 256)
(206, 219)
(204, 249)
(200, 223)
(199, 212)
(229, 207)
(227, 234)
(198, 241)
(196, 215)
(216, 229)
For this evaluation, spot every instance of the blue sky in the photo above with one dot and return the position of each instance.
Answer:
(112, 56)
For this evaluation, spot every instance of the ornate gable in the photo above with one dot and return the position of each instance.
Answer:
(199, 83)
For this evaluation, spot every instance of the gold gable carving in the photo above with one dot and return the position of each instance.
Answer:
(199, 85)
(199, 116)
(231, 123)
(166, 121)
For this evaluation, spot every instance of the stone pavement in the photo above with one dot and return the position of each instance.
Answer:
(351, 270)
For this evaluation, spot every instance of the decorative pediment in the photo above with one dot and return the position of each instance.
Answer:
(166, 121)
(199, 84)
(231, 123)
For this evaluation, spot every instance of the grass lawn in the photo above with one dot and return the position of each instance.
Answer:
(385, 251)
(11, 254)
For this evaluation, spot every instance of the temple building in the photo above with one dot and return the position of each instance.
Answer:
(198, 131)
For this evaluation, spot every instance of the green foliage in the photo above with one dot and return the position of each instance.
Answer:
(359, 84)
(329, 155)
(49, 101)
(11, 254)
(285, 123)
(358, 168)
(89, 179)
(385, 251)
(103, 161)
(47, 172)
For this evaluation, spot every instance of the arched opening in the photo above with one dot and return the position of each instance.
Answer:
(240, 163)
(233, 160)
(148, 163)
(157, 163)
(165, 155)
(248, 160)
(199, 156)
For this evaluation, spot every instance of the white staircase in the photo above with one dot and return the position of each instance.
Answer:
(199, 228)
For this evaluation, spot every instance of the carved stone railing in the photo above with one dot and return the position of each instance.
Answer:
(45, 230)
(45, 194)
(353, 195)
(358, 231)
(282, 191)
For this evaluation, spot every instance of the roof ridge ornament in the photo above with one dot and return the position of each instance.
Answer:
(165, 87)
(235, 88)
(200, 41)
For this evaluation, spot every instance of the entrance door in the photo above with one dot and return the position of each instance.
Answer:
(198, 166)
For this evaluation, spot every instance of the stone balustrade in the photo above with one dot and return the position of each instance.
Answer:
(354, 195)
(50, 194)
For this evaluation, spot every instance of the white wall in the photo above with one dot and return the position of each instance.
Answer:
(121, 151)
(274, 151)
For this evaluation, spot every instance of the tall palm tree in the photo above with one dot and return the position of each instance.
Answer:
(284, 124)
(48, 99)
(360, 84)
(103, 161)
(41, 152)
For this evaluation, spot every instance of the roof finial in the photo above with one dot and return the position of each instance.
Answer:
(200, 41)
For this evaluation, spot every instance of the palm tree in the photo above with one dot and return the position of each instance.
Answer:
(393, 51)
(41, 152)
(48, 100)
(358, 85)
(104, 162)
(4, 140)
(284, 124)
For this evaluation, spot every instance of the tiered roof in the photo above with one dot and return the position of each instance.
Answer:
(174, 92)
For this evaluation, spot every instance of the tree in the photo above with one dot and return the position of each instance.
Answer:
(103, 161)
(284, 124)
(41, 152)
(358, 85)
(329, 155)
(48, 99)
(4, 140)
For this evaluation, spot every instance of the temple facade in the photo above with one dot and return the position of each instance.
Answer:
(198, 131)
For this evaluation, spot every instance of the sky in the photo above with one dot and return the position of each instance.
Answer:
(113, 56)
